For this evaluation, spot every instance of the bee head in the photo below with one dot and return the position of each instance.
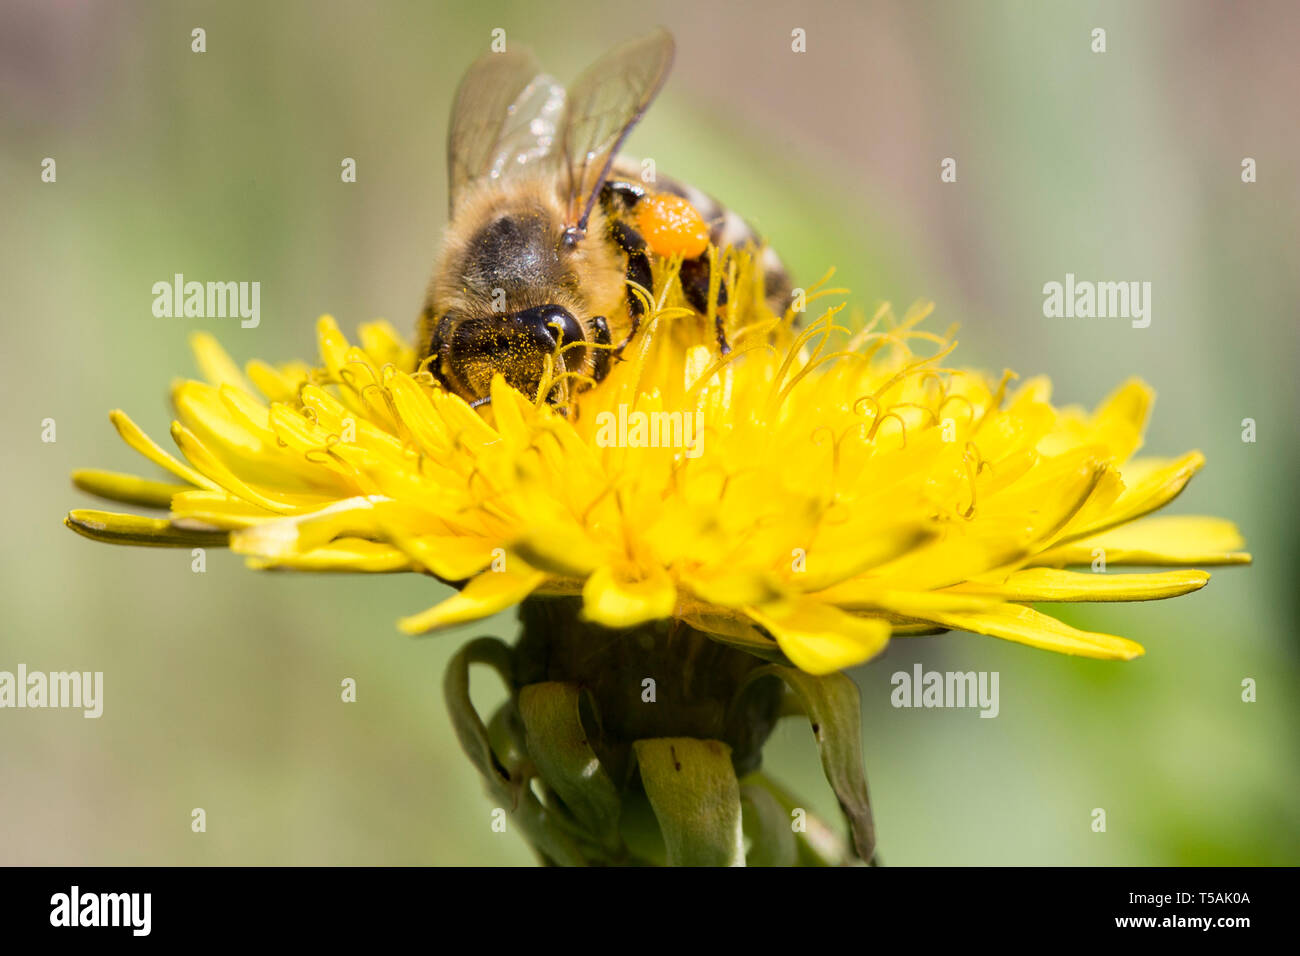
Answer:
(516, 346)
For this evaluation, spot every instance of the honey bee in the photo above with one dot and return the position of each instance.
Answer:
(550, 229)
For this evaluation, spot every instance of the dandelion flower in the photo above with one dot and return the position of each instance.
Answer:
(799, 501)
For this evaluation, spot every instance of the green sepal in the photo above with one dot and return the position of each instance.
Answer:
(544, 829)
(557, 742)
(128, 489)
(833, 707)
(506, 736)
(816, 844)
(139, 530)
(640, 830)
(767, 829)
(725, 629)
(467, 724)
(692, 787)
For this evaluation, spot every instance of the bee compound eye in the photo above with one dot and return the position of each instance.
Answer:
(552, 321)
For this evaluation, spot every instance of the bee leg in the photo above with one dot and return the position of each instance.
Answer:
(438, 345)
(478, 402)
(724, 347)
(600, 357)
(638, 271)
(694, 276)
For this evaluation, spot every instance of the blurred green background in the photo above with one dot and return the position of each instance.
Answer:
(222, 689)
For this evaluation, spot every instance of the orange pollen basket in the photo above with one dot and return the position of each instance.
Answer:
(670, 224)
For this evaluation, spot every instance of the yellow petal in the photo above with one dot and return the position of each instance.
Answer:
(485, 595)
(145, 445)
(739, 588)
(276, 384)
(1014, 622)
(508, 410)
(344, 555)
(200, 408)
(383, 343)
(223, 477)
(1157, 541)
(864, 596)
(127, 488)
(821, 639)
(1121, 418)
(618, 600)
(450, 557)
(559, 548)
(215, 364)
(249, 412)
(418, 414)
(1051, 584)
(1153, 491)
(836, 557)
(332, 344)
(216, 509)
(284, 537)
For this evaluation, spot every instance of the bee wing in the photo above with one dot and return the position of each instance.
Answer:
(604, 104)
(506, 116)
